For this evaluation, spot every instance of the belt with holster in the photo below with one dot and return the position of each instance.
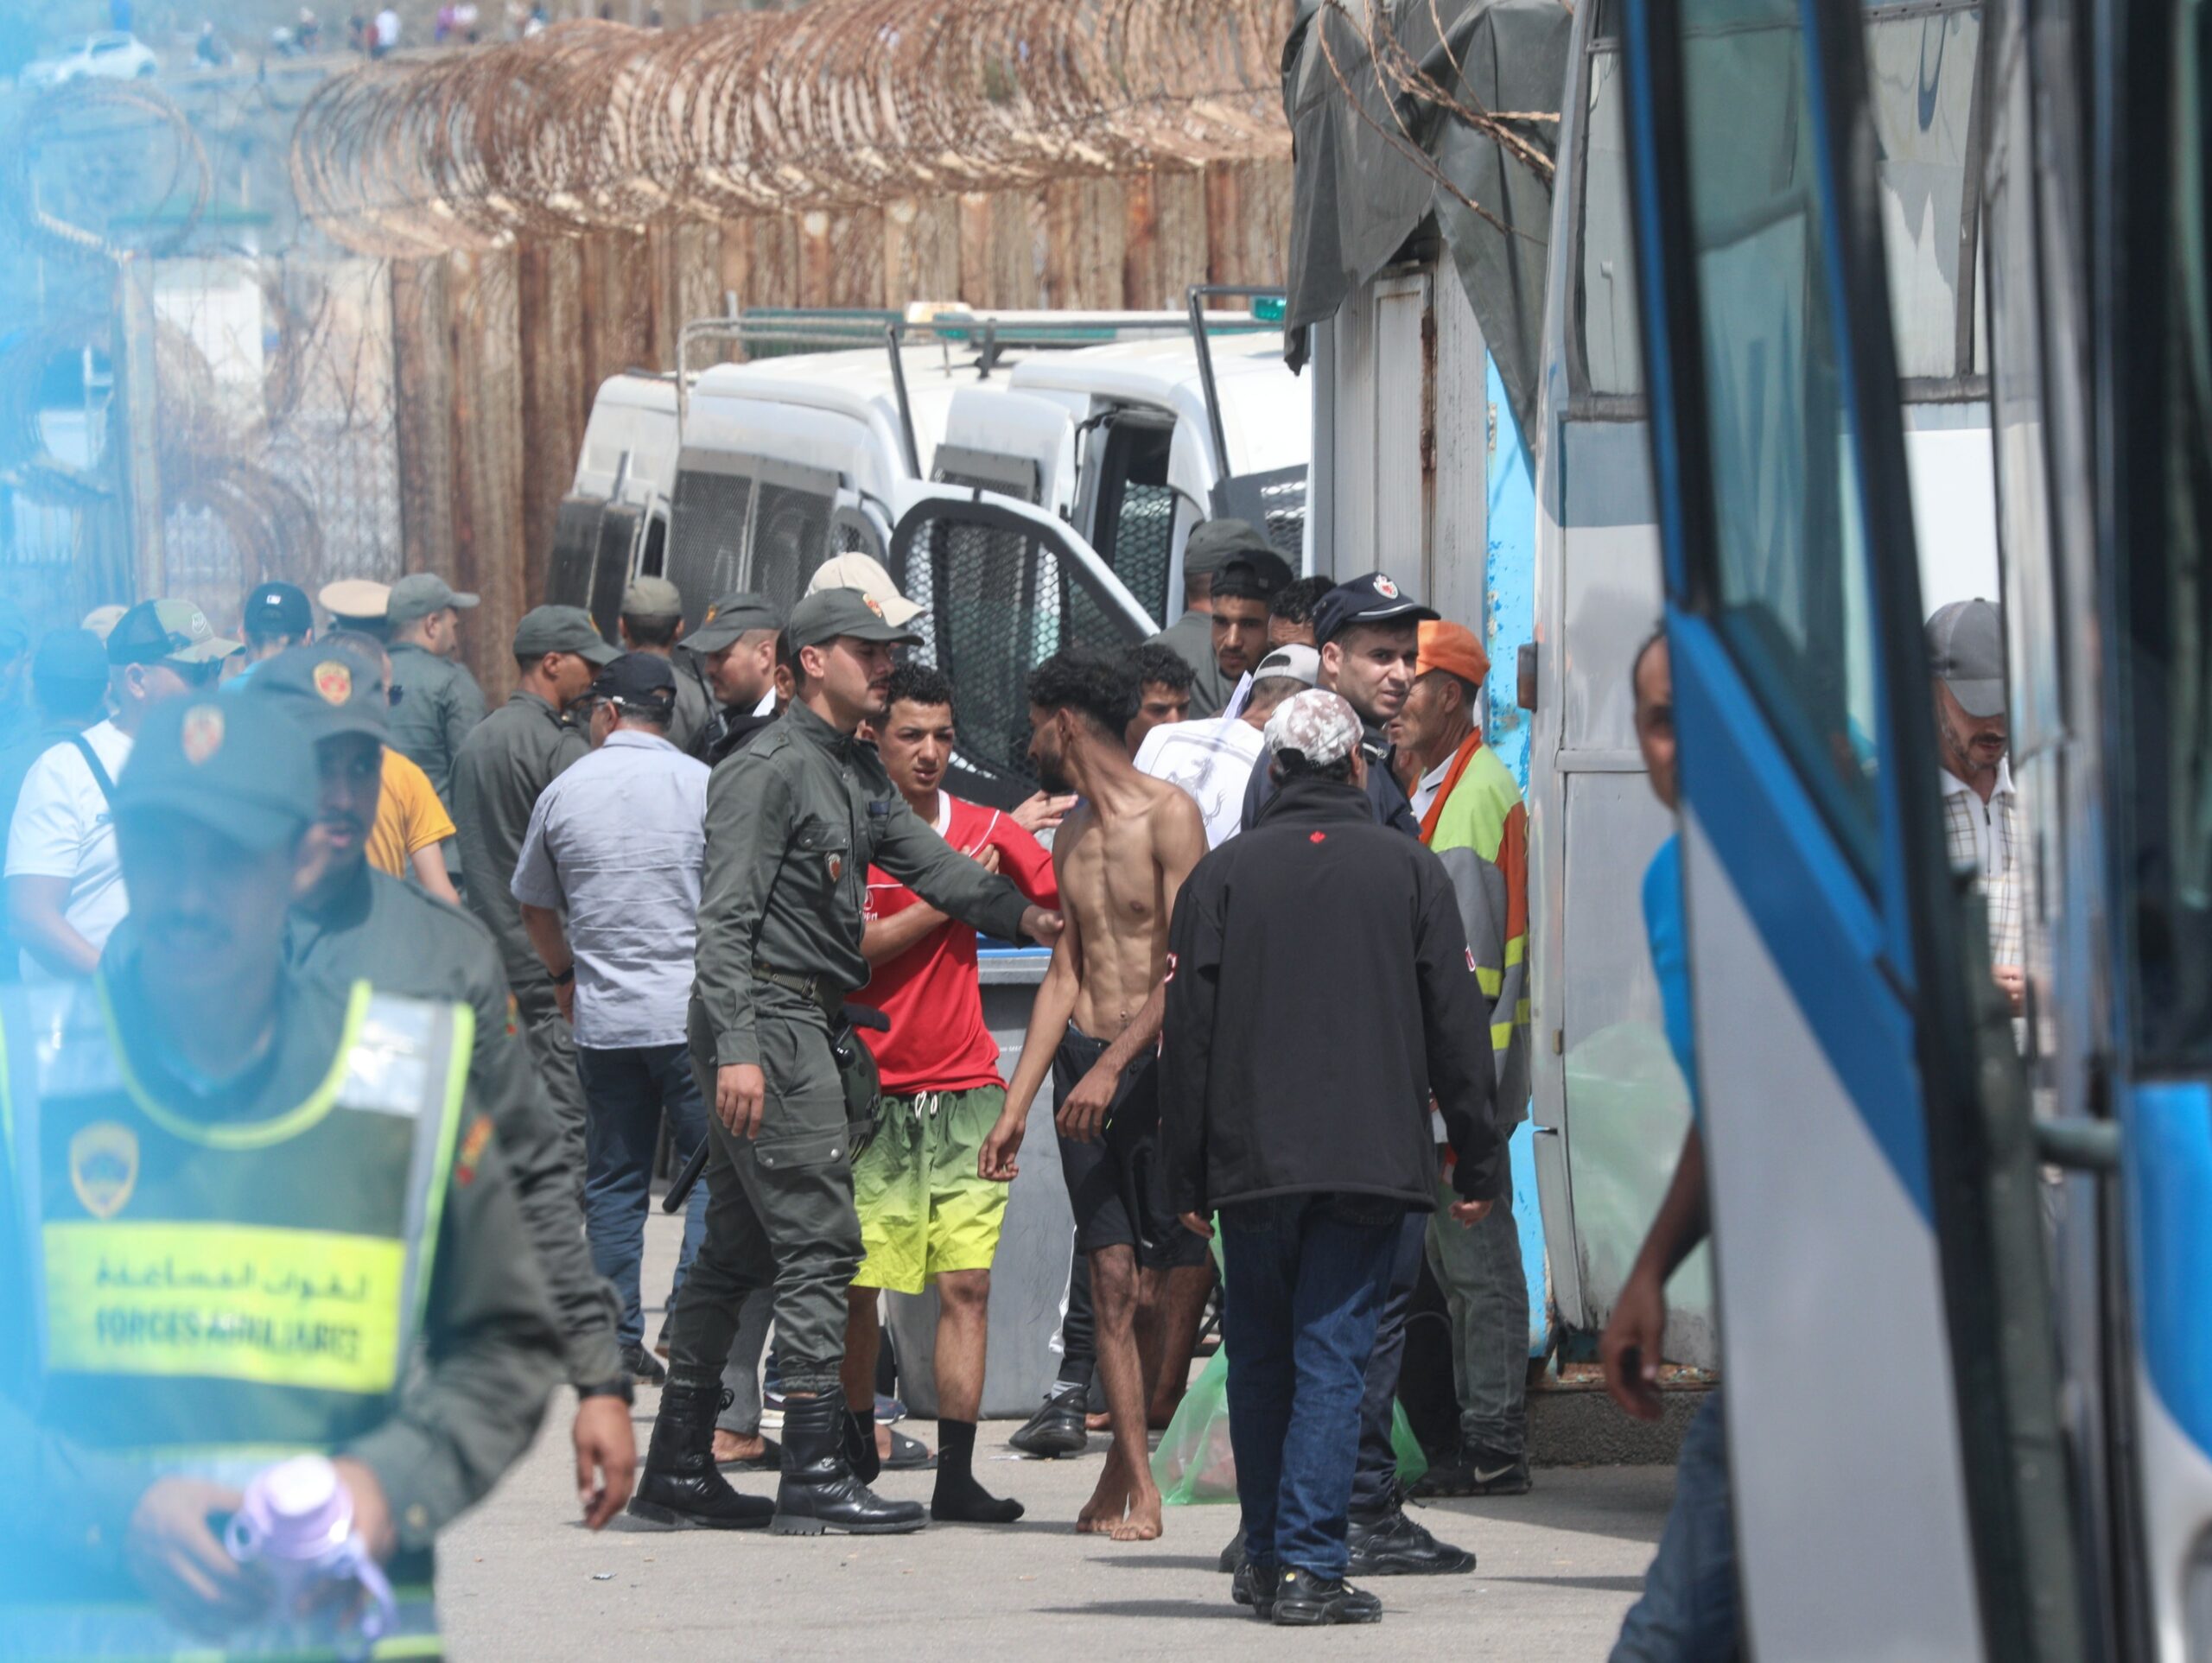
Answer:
(856, 1070)
(818, 989)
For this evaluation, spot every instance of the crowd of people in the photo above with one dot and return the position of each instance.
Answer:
(298, 905)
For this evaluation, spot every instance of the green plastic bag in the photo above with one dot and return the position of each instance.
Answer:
(1194, 1463)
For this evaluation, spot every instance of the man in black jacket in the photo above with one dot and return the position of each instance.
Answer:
(1307, 1127)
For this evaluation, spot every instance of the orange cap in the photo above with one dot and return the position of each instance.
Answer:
(1451, 646)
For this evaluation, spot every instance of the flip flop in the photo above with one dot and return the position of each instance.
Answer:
(907, 1454)
(771, 1458)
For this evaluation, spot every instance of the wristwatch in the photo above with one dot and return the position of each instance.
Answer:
(619, 1386)
(563, 976)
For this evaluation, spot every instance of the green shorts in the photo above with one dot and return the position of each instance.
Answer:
(923, 1208)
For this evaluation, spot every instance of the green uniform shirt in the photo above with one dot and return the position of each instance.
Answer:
(1190, 638)
(490, 1352)
(695, 706)
(510, 759)
(378, 930)
(440, 705)
(793, 821)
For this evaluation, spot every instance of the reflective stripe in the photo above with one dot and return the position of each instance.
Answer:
(1493, 982)
(1501, 1035)
(462, 1046)
(311, 1309)
(1515, 951)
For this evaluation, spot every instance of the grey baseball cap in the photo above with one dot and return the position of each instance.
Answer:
(420, 594)
(562, 629)
(1966, 648)
(733, 615)
(1213, 541)
(1298, 661)
(651, 596)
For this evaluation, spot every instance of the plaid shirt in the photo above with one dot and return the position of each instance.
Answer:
(1972, 826)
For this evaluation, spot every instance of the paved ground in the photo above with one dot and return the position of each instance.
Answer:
(520, 1578)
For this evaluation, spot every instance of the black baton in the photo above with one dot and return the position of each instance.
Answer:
(859, 1015)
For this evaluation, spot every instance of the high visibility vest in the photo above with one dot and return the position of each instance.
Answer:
(208, 1298)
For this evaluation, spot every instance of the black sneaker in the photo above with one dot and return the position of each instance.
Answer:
(1232, 1556)
(1394, 1546)
(1473, 1470)
(1057, 1428)
(1254, 1585)
(1304, 1600)
(1492, 1472)
(643, 1366)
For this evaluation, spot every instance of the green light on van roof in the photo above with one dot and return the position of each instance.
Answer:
(1268, 309)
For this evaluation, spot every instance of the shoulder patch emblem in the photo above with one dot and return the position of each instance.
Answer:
(202, 733)
(836, 867)
(471, 1154)
(104, 1167)
(334, 681)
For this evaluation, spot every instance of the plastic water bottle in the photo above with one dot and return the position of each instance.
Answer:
(296, 1522)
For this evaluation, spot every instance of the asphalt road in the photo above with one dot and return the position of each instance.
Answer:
(520, 1578)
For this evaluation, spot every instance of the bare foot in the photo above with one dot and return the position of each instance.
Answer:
(1098, 1423)
(882, 1440)
(729, 1446)
(1142, 1524)
(1101, 1514)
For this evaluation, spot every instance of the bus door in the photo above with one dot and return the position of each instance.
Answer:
(1883, 1296)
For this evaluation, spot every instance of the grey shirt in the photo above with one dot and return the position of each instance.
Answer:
(619, 842)
(1190, 638)
(513, 755)
(439, 705)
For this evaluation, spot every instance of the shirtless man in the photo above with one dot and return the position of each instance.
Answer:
(1119, 860)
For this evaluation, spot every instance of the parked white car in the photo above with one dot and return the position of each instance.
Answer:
(115, 57)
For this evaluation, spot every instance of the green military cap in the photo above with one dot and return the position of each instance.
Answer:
(1215, 542)
(731, 617)
(420, 594)
(651, 596)
(821, 617)
(327, 690)
(239, 765)
(562, 629)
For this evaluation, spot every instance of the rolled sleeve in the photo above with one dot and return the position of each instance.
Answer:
(914, 854)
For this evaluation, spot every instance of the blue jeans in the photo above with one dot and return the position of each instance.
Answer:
(1688, 1610)
(1305, 1278)
(1375, 1476)
(625, 1091)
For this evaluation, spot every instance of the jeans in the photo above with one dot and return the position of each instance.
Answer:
(624, 1094)
(1688, 1608)
(1479, 1270)
(1307, 1279)
(1374, 1479)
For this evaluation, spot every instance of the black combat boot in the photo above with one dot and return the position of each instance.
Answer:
(819, 1492)
(860, 1453)
(680, 1485)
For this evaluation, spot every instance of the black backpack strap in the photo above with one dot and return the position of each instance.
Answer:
(93, 761)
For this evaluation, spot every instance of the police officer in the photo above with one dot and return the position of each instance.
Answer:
(355, 924)
(172, 1145)
(735, 646)
(440, 703)
(355, 603)
(512, 756)
(793, 822)
(651, 621)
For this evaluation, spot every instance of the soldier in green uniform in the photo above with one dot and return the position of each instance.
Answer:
(651, 620)
(512, 756)
(187, 1291)
(440, 703)
(793, 821)
(354, 923)
(735, 646)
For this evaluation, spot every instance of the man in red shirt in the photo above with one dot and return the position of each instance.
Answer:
(926, 1213)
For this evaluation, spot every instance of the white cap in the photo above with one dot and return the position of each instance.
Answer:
(866, 573)
(1298, 661)
(1317, 724)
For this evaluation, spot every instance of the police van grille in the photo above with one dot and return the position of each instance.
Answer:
(1144, 541)
(791, 541)
(706, 540)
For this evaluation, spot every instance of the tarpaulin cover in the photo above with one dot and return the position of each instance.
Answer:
(1375, 158)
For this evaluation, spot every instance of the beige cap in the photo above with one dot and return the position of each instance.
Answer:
(866, 573)
(101, 619)
(356, 597)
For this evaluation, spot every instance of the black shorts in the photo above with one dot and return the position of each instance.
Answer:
(1116, 1185)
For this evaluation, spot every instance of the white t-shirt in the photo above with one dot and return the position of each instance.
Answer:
(1212, 760)
(63, 828)
(388, 28)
